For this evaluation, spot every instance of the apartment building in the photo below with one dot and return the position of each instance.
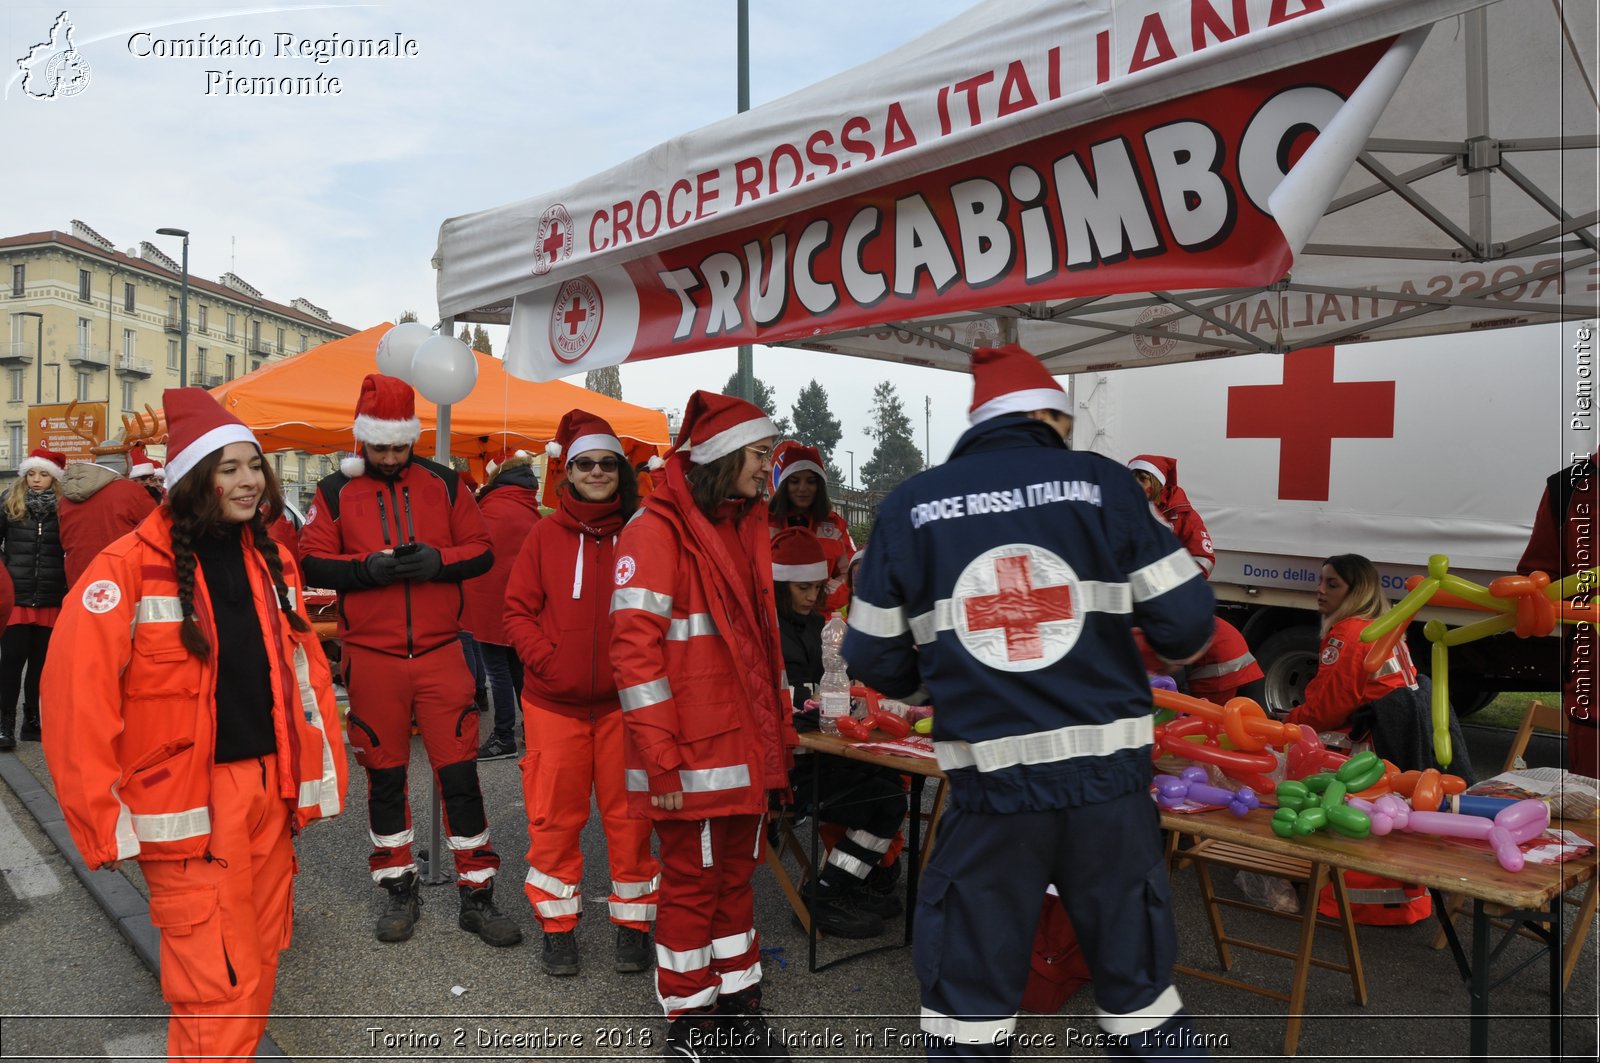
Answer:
(86, 321)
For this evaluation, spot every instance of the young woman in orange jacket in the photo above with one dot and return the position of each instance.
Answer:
(192, 726)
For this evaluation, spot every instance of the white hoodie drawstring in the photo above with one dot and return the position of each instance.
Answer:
(577, 572)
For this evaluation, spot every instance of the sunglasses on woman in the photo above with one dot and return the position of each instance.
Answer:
(588, 464)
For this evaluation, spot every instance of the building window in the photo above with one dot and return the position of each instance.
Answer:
(201, 322)
(172, 354)
(255, 335)
(83, 285)
(85, 382)
(280, 341)
(200, 376)
(16, 385)
(255, 363)
(127, 396)
(230, 326)
(83, 336)
(19, 279)
(301, 461)
(129, 341)
(128, 300)
(277, 466)
(231, 366)
(172, 311)
(302, 343)
(14, 431)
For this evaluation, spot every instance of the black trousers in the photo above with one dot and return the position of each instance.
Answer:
(22, 649)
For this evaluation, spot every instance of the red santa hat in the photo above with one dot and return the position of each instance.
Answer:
(1164, 469)
(792, 457)
(44, 460)
(797, 557)
(140, 463)
(715, 426)
(197, 425)
(1010, 380)
(496, 463)
(579, 431)
(386, 415)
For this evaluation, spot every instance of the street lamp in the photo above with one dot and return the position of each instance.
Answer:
(852, 469)
(38, 361)
(183, 308)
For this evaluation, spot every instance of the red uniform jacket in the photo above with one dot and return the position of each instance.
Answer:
(837, 547)
(558, 616)
(1226, 665)
(1174, 507)
(1342, 685)
(97, 508)
(353, 517)
(131, 715)
(697, 659)
(510, 513)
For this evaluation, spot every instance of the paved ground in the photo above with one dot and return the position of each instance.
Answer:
(71, 986)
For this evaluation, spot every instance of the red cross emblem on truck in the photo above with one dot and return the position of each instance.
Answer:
(1016, 608)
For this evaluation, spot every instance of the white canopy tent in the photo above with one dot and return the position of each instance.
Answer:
(1111, 182)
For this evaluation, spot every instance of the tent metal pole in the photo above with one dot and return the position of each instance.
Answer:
(747, 371)
(1477, 58)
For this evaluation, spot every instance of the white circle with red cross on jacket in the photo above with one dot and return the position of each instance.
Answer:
(1017, 608)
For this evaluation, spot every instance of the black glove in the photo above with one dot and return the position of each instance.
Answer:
(419, 565)
(380, 569)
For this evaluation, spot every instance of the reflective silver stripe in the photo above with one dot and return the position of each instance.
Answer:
(553, 886)
(392, 872)
(869, 841)
(1159, 577)
(1389, 667)
(706, 996)
(551, 909)
(172, 826)
(848, 864)
(644, 694)
(1223, 667)
(477, 841)
(978, 1032)
(634, 890)
(1205, 563)
(127, 841)
(159, 609)
(1148, 1017)
(480, 876)
(1389, 896)
(685, 961)
(1047, 747)
(874, 620)
(639, 598)
(328, 799)
(690, 627)
(733, 945)
(638, 913)
(709, 780)
(390, 841)
(733, 981)
(1094, 596)
(638, 780)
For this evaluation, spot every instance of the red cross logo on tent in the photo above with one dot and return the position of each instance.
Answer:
(1306, 413)
(553, 241)
(575, 319)
(1018, 608)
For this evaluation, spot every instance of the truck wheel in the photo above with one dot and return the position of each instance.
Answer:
(1289, 659)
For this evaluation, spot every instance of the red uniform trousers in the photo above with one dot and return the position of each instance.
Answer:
(569, 757)
(437, 688)
(706, 942)
(224, 920)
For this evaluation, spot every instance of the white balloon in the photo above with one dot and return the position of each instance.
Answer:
(398, 346)
(444, 370)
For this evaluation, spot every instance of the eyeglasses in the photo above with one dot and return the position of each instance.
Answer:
(763, 454)
(588, 464)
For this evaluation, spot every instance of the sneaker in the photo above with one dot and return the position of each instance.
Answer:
(747, 1033)
(696, 1035)
(560, 956)
(399, 918)
(633, 950)
(882, 905)
(497, 748)
(837, 915)
(480, 916)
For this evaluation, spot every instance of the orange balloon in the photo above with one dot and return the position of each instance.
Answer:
(1382, 648)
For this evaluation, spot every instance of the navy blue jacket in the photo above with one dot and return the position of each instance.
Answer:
(1007, 582)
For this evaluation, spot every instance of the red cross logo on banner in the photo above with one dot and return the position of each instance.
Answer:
(553, 240)
(1306, 413)
(1016, 608)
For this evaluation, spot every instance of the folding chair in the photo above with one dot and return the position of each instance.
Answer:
(1550, 719)
(782, 841)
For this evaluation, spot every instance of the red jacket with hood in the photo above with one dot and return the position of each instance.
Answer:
(1174, 507)
(97, 508)
(697, 659)
(510, 509)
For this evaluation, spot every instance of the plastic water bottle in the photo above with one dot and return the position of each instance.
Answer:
(834, 690)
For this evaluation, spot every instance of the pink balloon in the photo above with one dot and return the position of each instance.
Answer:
(1505, 848)
(1524, 820)
(1449, 825)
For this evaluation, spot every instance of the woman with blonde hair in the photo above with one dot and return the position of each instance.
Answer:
(30, 538)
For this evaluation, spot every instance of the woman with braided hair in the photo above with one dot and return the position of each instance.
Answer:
(192, 726)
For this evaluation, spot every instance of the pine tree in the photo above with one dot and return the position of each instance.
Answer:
(408, 315)
(466, 335)
(607, 381)
(480, 340)
(896, 456)
(765, 398)
(816, 426)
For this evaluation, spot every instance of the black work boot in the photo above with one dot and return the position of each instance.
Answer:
(480, 916)
(31, 731)
(696, 1035)
(748, 1035)
(633, 950)
(399, 918)
(8, 733)
(560, 955)
(835, 912)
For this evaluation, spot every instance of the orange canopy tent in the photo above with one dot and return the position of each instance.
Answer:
(307, 402)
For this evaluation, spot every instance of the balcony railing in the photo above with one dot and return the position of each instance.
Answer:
(205, 380)
(87, 357)
(127, 365)
(174, 323)
(17, 352)
(262, 347)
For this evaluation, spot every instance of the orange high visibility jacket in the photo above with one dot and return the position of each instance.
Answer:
(131, 714)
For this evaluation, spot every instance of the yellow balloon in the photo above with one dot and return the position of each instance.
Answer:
(1586, 580)
(1442, 750)
(1403, 611)
(1463, 588)
(1482, 629)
